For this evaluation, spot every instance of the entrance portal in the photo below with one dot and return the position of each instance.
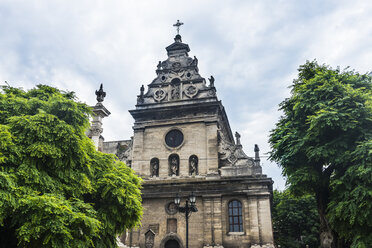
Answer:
(172, 244)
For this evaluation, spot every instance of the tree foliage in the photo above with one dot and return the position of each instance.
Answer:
(295, 220)
(56, 190)
(323, 142)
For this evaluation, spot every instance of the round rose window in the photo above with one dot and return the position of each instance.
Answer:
(174, 138)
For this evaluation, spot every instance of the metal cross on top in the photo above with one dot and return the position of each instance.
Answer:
(178, 24)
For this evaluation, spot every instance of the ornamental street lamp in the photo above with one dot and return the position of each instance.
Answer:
(187, 209)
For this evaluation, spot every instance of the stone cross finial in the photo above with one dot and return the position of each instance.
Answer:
(100, 94)
(178, 24)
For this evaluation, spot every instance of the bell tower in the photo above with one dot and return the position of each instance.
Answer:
(183, 143)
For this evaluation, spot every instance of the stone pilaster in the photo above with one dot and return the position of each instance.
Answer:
(208, 216)
(265, 224)
(138, 146)
(254, 220)
(211, 148)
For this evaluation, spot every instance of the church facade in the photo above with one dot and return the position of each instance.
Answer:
(183, 144)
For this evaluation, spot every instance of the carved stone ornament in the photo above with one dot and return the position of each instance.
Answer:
(176, 66)
(175, 92)
(212, 92)
(140, 99)
(95, 131)
(163, 78)
(100, 94)
(159, 95)
(231, 154)
(232, 158)
(149, 239)
(174, 162)
(164, 64)
(193, 165)
(154, 167)
(124, 153)
(188, 74)
(191, 91)
(171, 208)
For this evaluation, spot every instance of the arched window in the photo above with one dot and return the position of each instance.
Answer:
(154, 167)
(235, 216)
(174, 165)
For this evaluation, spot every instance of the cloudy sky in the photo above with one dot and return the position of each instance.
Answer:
(252, 48)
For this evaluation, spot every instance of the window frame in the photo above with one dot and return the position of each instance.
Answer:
(235, 220)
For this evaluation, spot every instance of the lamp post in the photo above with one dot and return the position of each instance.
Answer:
(187, 209)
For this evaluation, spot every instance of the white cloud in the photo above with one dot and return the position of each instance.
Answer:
(253, 49)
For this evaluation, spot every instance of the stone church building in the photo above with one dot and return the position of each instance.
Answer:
(183, 143)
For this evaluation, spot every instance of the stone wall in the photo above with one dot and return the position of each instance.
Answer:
(210, 225)
(199, 139)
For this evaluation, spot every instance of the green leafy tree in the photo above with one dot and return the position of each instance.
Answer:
(323, 142)
(295, 220)
(56, 190)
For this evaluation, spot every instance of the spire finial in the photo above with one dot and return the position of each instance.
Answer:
(178, 24)
(100, 94)
(257, 154)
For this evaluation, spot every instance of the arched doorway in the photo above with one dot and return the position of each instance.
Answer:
(171, 240)
(172, 243)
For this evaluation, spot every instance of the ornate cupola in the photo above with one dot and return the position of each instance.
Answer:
(178, 80)
(178, 47)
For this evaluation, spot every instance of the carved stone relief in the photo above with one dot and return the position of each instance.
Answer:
(174, 165)
(95, 131)
(149, 239)
(124, 153)
(164, 64)
(154, 167)
(175, 92)
(191, 91)
(231, 154)
(171, 225)
(211, 92)
(193, 165)
(159, 95)
(176, 66)
(171, 208)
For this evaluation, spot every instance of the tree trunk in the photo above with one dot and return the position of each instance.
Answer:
(326, 234)
(328, 237)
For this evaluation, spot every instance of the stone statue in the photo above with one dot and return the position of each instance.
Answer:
(256, 155)
(140, 98)
(159, 65)
(149, 239)
(175, 92)
(154, 168)
(211, 81)
(142, 89)
(100, 94)
(174, 166)
(237, 136)
(195, 61)
(193, 166)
